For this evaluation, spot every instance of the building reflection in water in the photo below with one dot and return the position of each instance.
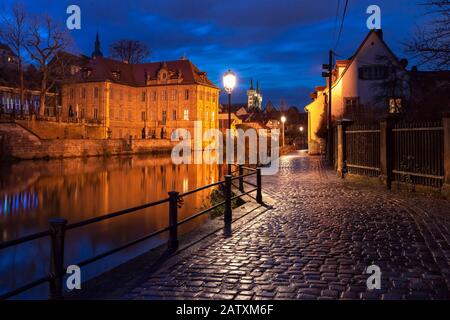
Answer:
(78, 189)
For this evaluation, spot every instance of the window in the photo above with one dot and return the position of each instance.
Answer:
(213, 115)
(373, 72)
(95, 114)
(164, 95)
(395, 105)
(351, 105)
(71, 93)
(130, 115)
(164, 116)
(83, 93)
(155, 96)
(186, 114)
(174, 115)
(201, 95)
(186, 94)
(143, 116)
(95, 92)
(173, 95)
(143, 96)
(111, 114)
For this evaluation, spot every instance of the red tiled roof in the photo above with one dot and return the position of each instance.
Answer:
(134, 74)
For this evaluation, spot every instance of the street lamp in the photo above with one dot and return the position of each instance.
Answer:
(283, 120)
(302, 137)
(229, 82)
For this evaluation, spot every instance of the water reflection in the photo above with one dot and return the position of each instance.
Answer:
(77, 189)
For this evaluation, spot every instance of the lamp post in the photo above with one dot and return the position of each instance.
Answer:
(301, 135)
(283, 120)
(229, 82)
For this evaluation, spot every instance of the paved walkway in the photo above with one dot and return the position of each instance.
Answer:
(316, 244)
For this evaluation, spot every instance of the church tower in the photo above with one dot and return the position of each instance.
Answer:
(97, 52)
(254, 97)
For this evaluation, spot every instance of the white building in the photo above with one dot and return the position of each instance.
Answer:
(369, 84)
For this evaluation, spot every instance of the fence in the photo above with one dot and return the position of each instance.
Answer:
(396, 151)
(59, 226)
(363, 149)
(419, 153)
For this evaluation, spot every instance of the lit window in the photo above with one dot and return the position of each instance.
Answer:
(186, 114)
(395, 105)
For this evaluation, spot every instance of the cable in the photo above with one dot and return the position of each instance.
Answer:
(336, 18)
(342, 24)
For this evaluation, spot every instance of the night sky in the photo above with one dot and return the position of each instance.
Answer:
(282, 43)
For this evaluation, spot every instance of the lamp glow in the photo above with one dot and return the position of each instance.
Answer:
(283, 119)
(301, 129)
(229, 81)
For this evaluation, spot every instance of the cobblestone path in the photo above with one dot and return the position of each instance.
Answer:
(316, 243)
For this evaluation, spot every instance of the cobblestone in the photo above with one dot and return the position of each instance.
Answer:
(316, 243)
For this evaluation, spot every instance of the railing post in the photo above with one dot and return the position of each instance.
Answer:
(258, 186)
(387, 150)
(446, 139)
(173, 221)
(342, 147)
(57, 229)
(241, 179)
(227, 217)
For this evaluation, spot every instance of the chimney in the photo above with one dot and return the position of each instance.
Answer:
(380, 33)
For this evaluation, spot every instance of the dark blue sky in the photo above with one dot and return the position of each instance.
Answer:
(282, 43)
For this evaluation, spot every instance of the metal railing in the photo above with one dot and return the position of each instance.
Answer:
(419, 153)
(59, 226)
(363, 149)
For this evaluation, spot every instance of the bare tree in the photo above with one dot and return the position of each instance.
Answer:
(13, 33)
(432, 42)
(45, 39)
(131, 51)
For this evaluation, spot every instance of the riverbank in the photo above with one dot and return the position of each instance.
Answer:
(18, 143)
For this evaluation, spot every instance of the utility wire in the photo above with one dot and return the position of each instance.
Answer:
(336, 18)
(342, 24)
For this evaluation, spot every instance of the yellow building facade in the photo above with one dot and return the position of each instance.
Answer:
(148, 100)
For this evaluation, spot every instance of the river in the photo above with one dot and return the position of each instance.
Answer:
(31, 192)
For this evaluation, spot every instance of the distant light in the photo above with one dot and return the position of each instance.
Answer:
(229, 81)
(283, 119)
(301, 129)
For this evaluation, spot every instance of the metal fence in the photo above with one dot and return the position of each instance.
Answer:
(59, 226)
(363, 149)
(418, 153)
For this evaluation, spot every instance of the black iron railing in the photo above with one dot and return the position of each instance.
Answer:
(59, 226)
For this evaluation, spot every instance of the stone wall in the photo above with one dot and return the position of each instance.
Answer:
(16, 142)
(63, 130)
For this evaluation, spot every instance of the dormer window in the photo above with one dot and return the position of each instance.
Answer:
(116, 75)
(87, 73)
